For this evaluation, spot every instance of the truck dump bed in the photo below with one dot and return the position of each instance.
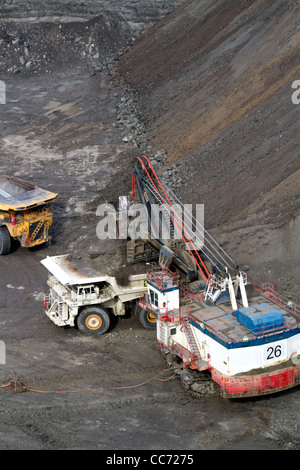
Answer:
(19, 195)
(71, 271)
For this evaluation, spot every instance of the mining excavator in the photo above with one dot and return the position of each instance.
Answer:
(223, 331)
(177, 239)
(218, 328)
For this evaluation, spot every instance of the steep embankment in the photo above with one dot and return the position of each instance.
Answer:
(214, 86)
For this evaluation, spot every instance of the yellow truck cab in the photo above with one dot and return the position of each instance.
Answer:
(25, 213)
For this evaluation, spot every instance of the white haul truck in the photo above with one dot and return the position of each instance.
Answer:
(80, 296)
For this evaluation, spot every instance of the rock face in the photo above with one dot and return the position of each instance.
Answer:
(134, 12)
(40, 36)
(213, 82)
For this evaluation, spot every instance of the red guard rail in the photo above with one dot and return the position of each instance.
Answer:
(268, 290)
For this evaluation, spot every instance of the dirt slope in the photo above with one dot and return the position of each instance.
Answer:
(213, 81)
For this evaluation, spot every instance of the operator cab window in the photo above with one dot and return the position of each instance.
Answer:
(84, 290)
(154, 298)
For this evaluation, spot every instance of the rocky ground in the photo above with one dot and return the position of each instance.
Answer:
(89, 87)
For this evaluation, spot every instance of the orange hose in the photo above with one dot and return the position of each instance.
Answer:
(175, 223)
(98, 389)
(175, 212)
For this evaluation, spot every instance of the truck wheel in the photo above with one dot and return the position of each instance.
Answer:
(5, 241)
(93, 321)
(146, 319)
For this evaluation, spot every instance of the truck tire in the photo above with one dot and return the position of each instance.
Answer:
(93, 321)
(145, 318)
(5, 241)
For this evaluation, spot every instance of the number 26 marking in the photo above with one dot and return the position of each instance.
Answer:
(274, 352)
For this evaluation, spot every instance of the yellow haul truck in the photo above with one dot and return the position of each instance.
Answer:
(25, 213)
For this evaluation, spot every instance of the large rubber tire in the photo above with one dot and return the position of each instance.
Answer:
(5, 241)
(93, 321)
(145, 318)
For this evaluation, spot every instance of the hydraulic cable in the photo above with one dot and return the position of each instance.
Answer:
(208, 245)
(186, 243)
(17, 386)
(197, 239)
(199, 257)
(173, 196)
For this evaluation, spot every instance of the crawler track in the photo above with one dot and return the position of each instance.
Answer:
(198, 384)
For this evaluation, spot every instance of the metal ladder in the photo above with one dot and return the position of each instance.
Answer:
(209, 291)
(197, 362)
(36, 230)
(167, 217)
(190, 337)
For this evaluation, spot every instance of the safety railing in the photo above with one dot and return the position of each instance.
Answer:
(176, 348)
(268, 290)
(162, 313)
(163, 278)
(46, 301)
(269, 330)
(188, 293)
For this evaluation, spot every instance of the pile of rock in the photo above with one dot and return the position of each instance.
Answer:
(133, 128)
(40, 46)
